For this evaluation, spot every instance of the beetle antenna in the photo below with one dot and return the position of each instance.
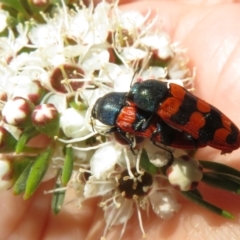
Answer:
(134, 75)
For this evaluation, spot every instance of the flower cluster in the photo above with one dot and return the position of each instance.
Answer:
(52, 72)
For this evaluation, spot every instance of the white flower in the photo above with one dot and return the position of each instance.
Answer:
(130, 20)
(178, 68)
(185, 173)
(119, 75)
(132, 54)
(104, 159)
(73, 123)
(98, 187)
(11, 45)
(154, 73)
(156, 40)
(44, 35)
(164, 204)
(89, 27)
(122, 194)
(118, 214)
(95, 59)
(80, 155)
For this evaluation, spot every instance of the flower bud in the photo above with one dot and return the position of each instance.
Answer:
(3, 96)
(73, 123)
(185, 173)
(38, 5)
(45, 118)
(17, 112)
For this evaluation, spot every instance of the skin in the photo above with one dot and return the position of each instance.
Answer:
(210, 32)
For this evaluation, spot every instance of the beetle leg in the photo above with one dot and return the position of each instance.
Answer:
(111, 130)
(128, 140)
(123, 135)
(145, 124)
(156, 132)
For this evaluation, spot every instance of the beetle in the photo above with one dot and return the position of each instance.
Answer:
(183, 111)
(128, 118)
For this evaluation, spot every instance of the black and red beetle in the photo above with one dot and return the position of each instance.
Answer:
(185, 112)
(128, 118)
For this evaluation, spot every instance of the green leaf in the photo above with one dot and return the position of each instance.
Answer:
(196, 192)
(7, 141)
(16, 4)
(219, 167)
(12, 21)
(194, 198)
(146, 164)
(37, 172)
(20, 185)
(228, 177)
(68, 165)
(26, 135)
(58, 196)
(214, 180)
(19, 166)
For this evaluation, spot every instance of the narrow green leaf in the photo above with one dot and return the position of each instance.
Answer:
(19, 166)
(146, 164)
(58, 196)
(219, 167)
(228, 177)
(196, 192)
(214, 180)
(192, 197)
(68, 165)
(37, 172)
(26, 135)
(20, 185)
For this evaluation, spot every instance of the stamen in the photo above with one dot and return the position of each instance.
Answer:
(120, 57)
(123, 229)
(138, 162)
(82, 170)
(151, 24)
(91, 148)
(128, 163)
(140, 220)
(65, 14)
(145, 62)
(118, 205)
(75, 140)
(56, 190)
